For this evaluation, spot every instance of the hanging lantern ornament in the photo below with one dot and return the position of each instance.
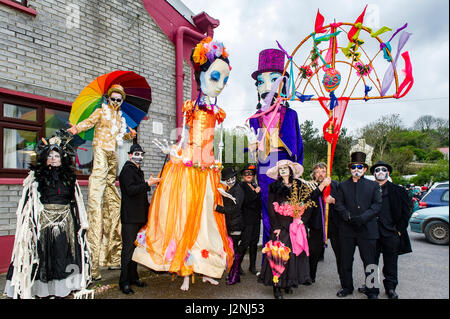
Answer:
(331, 79)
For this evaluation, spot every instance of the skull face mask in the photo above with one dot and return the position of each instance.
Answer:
(231, 181)
(138, 157)
(381, 173)
(357, 170)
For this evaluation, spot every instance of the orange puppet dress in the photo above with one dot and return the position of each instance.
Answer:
(184, 234)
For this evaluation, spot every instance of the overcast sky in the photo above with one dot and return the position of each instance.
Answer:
(250, 26)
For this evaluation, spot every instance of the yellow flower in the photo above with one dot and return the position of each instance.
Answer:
(275, 279)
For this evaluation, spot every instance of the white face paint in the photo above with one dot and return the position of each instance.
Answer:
(231, 181)
(357, 170)
(54, 159)
(215, 78)
(137, 157)
(115, 99)
(381, 173)
(264, 82)
(284, 171)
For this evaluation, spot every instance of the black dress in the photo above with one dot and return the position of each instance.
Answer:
(297, 267)
(58, 248)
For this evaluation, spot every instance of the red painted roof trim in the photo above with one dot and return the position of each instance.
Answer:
(19, 7)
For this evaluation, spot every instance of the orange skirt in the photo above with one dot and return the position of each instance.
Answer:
(184, 234)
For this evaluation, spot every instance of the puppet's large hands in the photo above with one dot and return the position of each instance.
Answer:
(166, 148)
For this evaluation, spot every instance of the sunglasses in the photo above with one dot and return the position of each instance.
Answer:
(381, 169)
(357, 166)
(248, 173)
(115, 100)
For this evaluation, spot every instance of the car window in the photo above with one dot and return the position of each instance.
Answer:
(444, 197)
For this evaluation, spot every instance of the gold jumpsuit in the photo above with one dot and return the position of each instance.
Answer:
(103, 206)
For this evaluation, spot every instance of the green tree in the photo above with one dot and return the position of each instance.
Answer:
(379, 133)
(434, 172)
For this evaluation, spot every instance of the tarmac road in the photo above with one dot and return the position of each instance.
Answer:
(423, 274)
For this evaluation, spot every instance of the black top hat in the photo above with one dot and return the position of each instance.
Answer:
(135, 148)
(381, 163)
(249, 167)
(358, 158)
(227, 173)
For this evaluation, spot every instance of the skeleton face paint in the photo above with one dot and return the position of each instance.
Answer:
(381, 173)
(284, 171)
(54, 159)
(357, 170)
(138, 157)
(116, 99)
(231, 181)
(215, 78)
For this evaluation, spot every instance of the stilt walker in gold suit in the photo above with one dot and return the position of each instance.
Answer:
(103, 206)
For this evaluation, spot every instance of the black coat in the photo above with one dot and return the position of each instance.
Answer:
(315, 221)
(400, 213)
(358, 206)
(251, 208)
(232, 211)
(134, 188)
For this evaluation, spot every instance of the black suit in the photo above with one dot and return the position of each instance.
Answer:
(133, 215)
(251, 211)
(393, 219)
(233, 213)
(315, 227)
(358, 205)
(333, 228)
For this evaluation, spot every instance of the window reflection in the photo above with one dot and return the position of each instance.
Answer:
(18, 148)
(19, 112)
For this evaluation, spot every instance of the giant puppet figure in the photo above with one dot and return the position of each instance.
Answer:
(277, 128)
(103, 205)
(184, 233)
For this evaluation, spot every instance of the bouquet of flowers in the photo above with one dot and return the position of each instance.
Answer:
(277, 254)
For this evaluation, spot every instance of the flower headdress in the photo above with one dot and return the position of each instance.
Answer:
(208, 51)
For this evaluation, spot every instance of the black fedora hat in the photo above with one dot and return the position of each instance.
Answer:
(358, 158)
(135, 148)
(249, 167)
(228, 172)
(381, 163)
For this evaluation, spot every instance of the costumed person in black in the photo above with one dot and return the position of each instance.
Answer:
(358, 203)
(232, 208)
(287, 227)
(133, 214)
(251, 212)
(51, 255)
(393, 223)
(316, 223)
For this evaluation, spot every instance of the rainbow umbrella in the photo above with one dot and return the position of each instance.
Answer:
(134, 108)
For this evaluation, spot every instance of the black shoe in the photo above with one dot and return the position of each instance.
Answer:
(277, 293)
(127, 290)
(343, 292)
(139, 283)
(372, 296)
(252, 270)
(288, 290)
(363, 289)
(391, 294)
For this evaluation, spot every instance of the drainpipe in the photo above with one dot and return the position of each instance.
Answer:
(179, 75)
